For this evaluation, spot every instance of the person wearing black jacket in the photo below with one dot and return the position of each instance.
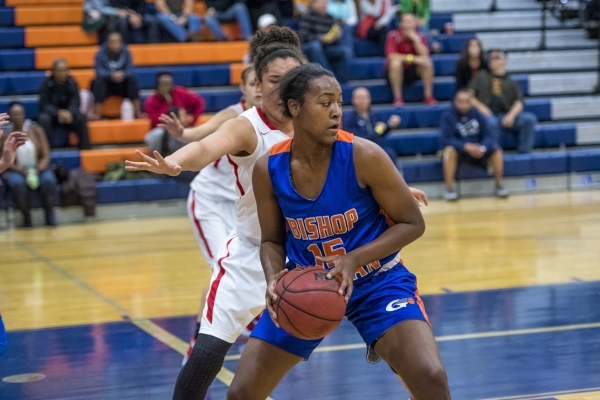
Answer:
(471, 61)
(464, 137)
(59, 105)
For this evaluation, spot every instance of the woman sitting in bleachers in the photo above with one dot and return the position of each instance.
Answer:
(30, 171)
(472, 60)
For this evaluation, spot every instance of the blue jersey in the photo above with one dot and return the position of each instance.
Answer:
(342, 218)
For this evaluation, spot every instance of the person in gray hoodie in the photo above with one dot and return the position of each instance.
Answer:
(114, 75)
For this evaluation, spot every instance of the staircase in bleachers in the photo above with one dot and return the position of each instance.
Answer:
(558, 83)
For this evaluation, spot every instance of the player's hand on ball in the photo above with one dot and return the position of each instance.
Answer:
(159, 165)
(272, 296)
(344, 267)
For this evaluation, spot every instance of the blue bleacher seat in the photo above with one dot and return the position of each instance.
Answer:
(116, 192)
(585, 160)
(12, 38)
(16, 60)
(517, 164)
(69, 158)
(454, 43)
(438, 20)
(549, 163)
(7, 16)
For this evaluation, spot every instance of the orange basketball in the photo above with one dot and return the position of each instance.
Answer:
(309, 305)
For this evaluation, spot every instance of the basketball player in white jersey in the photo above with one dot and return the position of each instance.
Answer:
(238, 286)
(211, 201)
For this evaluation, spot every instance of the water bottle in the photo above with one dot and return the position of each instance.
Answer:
(127, 113)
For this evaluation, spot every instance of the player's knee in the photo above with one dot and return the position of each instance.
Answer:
(238, 392)
(435, 379)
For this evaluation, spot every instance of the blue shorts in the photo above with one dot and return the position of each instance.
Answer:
(2, 336)
(376, 305)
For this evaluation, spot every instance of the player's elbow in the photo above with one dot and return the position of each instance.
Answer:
(419, 227)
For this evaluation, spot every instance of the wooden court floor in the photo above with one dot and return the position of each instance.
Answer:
(477, 260)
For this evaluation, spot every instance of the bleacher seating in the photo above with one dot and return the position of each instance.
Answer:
(35, 32)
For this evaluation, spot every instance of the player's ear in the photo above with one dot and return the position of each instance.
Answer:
(294, 107)
(258, 85)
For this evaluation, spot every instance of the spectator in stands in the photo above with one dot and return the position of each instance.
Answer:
(114, 75)
(375, 21)
(228, 11)
(178, 18)
(168, 96)
(159, 139)
(343, 11)
(132, 20)
(258, 8)
(324, 41)
(364, 123)
(472, 60)
(30, 171)
(465, 138)
(266, 22)
(420, 9)
(13, 141)
(408, 60)
(499, 98)
(59, 105)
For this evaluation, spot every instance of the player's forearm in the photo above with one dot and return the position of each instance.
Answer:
(191, 157)
(391, 241)
(272, 258)
(196, 134)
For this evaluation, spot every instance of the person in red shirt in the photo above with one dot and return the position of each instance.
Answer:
(168, 95)
(408, 60)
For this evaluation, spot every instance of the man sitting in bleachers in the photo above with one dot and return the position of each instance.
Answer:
(114, 75)
(499, 98)
(59, 107)
(465, 138)
(133, 21)
(169, 97)
(325, 41)
(408, 60)
(364, 123)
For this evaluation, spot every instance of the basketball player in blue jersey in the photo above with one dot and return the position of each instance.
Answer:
(328, 198)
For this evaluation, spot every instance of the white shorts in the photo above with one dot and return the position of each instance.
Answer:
(237, 290)
(212, 222)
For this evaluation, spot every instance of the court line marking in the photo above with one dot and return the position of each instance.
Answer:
(146, 325)
(593, 390)
(466, 336)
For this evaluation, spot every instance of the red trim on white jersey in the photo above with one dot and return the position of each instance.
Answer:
(265, 120)
(198, 226)
(237, 176)
(215, 285)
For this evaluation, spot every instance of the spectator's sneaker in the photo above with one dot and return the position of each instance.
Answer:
(450, 195)
(398, 102)
(430, 101)
(189, 352)
(501, 192)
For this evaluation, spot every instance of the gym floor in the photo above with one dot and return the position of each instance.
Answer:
(512, 289)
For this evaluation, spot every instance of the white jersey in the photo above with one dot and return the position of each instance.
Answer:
(216, 181)
(247, 219)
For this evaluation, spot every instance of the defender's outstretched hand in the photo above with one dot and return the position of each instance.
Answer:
(171, 124)
(159, 165)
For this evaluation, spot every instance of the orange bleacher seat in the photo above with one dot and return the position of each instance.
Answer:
(35, 15)
(95, 161)
(83, 77)
(235, 73)
(202, 119)
(111, 107)
(149, 54)
(13, 3)
(77, 57)
(118, 131)
(40, 36)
